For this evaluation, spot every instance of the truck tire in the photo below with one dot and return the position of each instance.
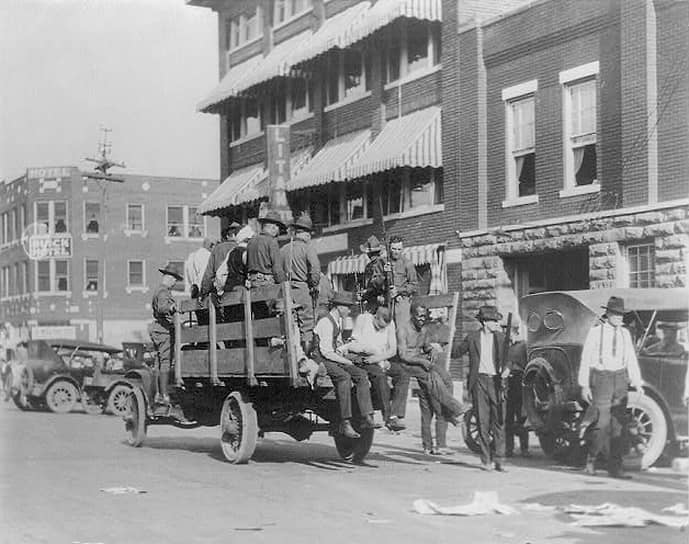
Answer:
(238, 428)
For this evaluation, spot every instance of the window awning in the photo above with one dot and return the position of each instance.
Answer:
(418, 255)
(411, 140)
(385, 12)
(256, 70)
(332, 161)
(248, 184)
(333, 33)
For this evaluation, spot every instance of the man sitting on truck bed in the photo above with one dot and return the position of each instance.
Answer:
(326, 349)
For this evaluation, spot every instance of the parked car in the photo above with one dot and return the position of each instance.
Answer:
(57, 374)
(557, 325)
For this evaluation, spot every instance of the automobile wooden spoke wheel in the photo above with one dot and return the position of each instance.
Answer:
(135, 417)
(647, 428)
(354, 450)
(238, 428)
(118, 400)
(61, 397)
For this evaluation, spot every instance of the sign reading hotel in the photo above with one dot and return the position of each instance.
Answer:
(40, 246)
(50, 178)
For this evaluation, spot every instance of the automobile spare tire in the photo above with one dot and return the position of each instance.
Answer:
(538, 392)
(648, 429)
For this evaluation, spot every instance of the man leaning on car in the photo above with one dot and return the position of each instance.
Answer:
(608, 366)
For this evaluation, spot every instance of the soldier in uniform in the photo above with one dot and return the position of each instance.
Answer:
(302, 268)
(375, 281)
(263, 253)
(404, 279)
(218, 256)
(608, 367)
(162, 331)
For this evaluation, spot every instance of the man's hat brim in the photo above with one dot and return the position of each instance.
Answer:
(172, 273)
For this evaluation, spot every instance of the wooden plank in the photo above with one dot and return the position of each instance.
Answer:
(262, 328)
(453, 329)
(191, 304)
(292, 338)
(213, 347)
(231, 362)
(259, 294)
(436, 301)
(249, 331)
(177, 320)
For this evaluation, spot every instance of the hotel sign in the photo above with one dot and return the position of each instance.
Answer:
(46, 246)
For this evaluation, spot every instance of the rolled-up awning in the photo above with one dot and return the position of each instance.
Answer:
(413, 140)
(384, 12)
(257, 69)
(332, 162)
(355, 264)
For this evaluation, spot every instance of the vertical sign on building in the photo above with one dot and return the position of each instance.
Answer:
(278, 166)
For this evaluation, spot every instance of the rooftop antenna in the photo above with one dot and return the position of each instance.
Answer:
(102, 160)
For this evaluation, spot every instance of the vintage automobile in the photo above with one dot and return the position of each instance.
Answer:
(243, 376)
(557, 325)
(57, 374)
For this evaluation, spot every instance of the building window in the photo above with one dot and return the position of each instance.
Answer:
(285, 10)
(175, 221)
(135, 217)
(61, 275)
(353, 67)
(278, 107)
(91, 275)
(197, 227)
(135, 274)
(520, 139)
(640, 260)
(51, 216)
(42, 214)
(185, 222)
(301, 102)
(18, 223)
(345, 74)
(5, 287)
(355, 201)
(43, 271)
(60, 208)
(178, 266)
(252, 117)
(412, 189)
(25, 272)
(10, 225)
(392, 195)
(3, 229)
(333, 77)
(18, 279)
(92, 217)
(243, 29)
(411, 46)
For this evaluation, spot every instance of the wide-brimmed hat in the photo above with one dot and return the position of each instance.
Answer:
(303, 222)
(272, 217)
(170, 271)
(670, 325)
(615, 305)
(343, 298)
(371, 245)
(245, 234)
(488, 313)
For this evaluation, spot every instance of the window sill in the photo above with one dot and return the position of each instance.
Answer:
(349, 225)
(414, 212)
(580, 190)
(292, 18)
(53, 294)
(170, 239)
(136, 289)
(300, 117)
(128, 233)
(90, 294)
(90, 236)
(241, 46)
(245, 139)
(348, 100)
(417, 74)
(520, 201)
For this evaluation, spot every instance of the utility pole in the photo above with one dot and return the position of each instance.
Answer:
(103, 178)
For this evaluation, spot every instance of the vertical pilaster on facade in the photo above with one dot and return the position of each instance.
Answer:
(318, 104)
(267, 26)
(222, 40)
(377, 89)
(317, 15)
(605, 265)
(639, 101)
(482, 134)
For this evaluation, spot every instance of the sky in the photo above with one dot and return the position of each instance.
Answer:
(137, 67)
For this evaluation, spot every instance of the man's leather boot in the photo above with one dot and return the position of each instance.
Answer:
(367, 422)
(347, 430)
(163, 378)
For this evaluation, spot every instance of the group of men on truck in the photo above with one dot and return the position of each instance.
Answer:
(391, 340)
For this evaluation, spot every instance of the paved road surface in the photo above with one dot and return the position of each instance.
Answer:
(53, 467)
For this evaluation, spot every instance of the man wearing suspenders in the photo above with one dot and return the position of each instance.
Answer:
(608, 367)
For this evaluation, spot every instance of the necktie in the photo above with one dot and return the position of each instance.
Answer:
(614, 343)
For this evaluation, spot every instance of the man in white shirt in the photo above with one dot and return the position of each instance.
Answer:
(327, 349)
(374, 338)
(608, 367)
(195, 266)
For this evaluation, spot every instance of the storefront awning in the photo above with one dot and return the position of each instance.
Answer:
(355, 264)
(332, 162)
(256, 70)
(334, 33)
(385, 12)
(413, 140)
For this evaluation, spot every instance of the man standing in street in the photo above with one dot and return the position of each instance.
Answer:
(161, 332)
(195, 266)
(485, 384)
(608, 367)
(515, 420)
(218, 256)
(327, 349)
(405, 280)
(302, 268)
(263, 253)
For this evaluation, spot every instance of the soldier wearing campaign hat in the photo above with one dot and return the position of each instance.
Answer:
(263, 253)
(375, 274)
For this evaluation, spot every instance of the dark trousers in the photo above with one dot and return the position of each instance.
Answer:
(302, 295)
(393, 401)
(609, 390)
(342, 377)
(514, 420)
(488, 408)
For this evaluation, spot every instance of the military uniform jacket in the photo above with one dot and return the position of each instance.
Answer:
(163, 305)
(404, 276)
(300, 262)
(263, 255)
(374, 279)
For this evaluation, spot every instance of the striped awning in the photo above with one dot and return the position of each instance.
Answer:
(256, 70)
(332, 162)
(355, 264)
(248, 184)
(333, 33)
(411, 140)
(385, 12)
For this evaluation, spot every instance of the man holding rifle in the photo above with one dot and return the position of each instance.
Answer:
(488, 368)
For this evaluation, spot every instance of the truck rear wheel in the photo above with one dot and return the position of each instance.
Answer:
(238, 429)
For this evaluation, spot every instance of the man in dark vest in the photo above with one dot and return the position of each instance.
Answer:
(485, 385)
(326, 349)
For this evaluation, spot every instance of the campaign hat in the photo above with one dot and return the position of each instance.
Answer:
(371, 245)
(272, 217)
(170, 271)
(488, 313)
(303, 222)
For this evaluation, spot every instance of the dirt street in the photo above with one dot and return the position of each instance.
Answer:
(54, 466)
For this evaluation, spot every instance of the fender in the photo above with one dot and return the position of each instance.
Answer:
(141, 378)
(652, 392)
(120, 381)
(57, 378)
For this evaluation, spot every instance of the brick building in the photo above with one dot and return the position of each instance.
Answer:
(573, 147)
(95, 251)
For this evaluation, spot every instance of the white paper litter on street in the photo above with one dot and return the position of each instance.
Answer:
(679, 509)
(537, 507)
(122, 490)
(613, 515)
(485, 502)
